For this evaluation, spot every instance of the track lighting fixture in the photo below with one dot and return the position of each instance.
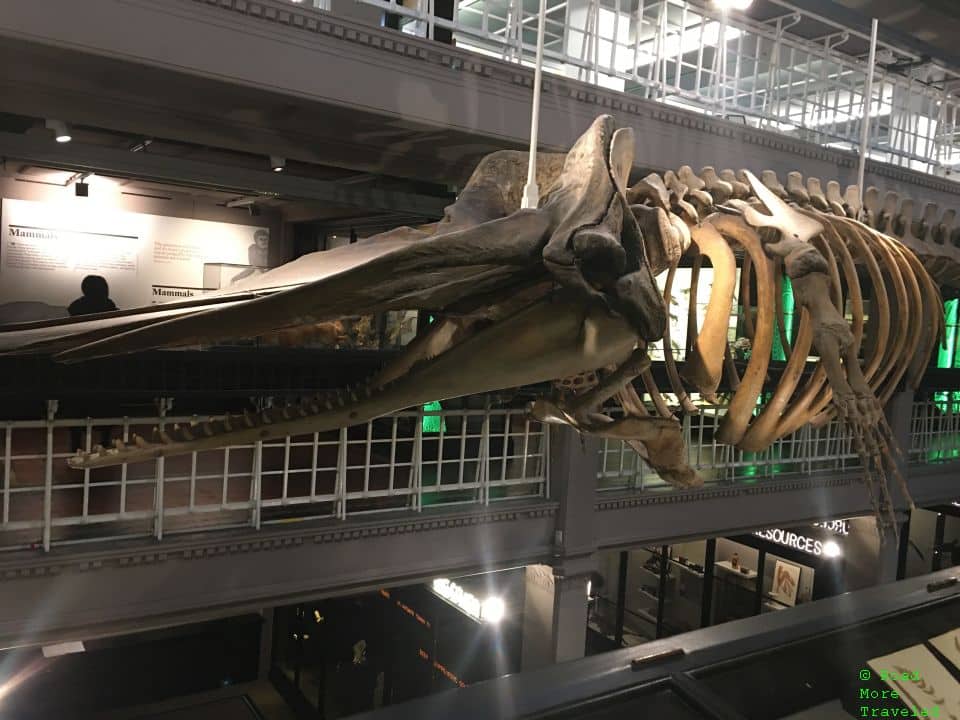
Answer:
(60, 130)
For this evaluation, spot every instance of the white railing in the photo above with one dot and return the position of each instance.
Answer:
(808, 451)
(935, 429)
(934, 438)
(397, 462)
(683, 53)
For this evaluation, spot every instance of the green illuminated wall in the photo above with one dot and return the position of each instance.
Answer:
(786, 297)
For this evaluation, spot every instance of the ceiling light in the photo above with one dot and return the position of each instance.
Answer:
(60, 130)
(142, 145)
(277, 163)
(725, 5)
(64, 648)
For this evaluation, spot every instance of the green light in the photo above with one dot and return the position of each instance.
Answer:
(433, 423)
(945, 355)
(786, 298)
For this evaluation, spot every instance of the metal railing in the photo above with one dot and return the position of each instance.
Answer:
(761, 73)
(935, 429)
(405, 461)
(808, 451)
(934, 438)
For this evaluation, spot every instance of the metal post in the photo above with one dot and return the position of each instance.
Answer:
(904, 548)
(531, 193)
(484, 464)
(706, 601)
(621, 597)
(662, 587)
(255, 484)
(48, 477)
(758, 596)
(936, 562)
(165, 405)
(867, 102)
(7, 466)
(416, 464)
(722, 65)
(341, 483)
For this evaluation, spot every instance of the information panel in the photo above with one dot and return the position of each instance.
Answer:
(48, 247)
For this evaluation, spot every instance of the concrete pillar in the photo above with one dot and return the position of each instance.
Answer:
(888, 554)
(574, 464)
(555, 605)
(899, 412)
(266, 644)
(554, 616)
(869, 562)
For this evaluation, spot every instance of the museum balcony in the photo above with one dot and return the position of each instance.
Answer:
(772, 87)
(461, 486)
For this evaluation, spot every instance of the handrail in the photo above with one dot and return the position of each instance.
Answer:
(393, 463)
(811, 88)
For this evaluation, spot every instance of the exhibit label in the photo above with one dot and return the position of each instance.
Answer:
(46, 248)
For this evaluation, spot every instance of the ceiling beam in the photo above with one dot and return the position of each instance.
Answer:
(178, 171)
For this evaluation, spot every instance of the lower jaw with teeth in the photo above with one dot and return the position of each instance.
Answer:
(549, 339)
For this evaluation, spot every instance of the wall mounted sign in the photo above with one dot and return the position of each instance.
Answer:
(837, 527)
(803, 543)
(46, 248)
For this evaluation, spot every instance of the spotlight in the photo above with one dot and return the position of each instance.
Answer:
(492, 610)
(60, 130)
(81, 189)
(277, 163)
(253, 210)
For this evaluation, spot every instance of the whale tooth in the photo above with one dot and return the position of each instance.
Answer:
(118, 444)
(265, 417)
(247, 418)
(207, 428)
(227, 424)
(139, 441)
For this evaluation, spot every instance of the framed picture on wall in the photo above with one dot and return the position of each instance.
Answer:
(786, 581)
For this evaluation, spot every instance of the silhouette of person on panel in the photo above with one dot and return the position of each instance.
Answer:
(95, 298)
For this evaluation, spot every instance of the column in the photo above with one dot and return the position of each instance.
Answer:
(899, 412)
(555, 608)
(555, 614)
(266, 644)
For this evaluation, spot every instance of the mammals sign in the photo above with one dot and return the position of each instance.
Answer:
(46, 248)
